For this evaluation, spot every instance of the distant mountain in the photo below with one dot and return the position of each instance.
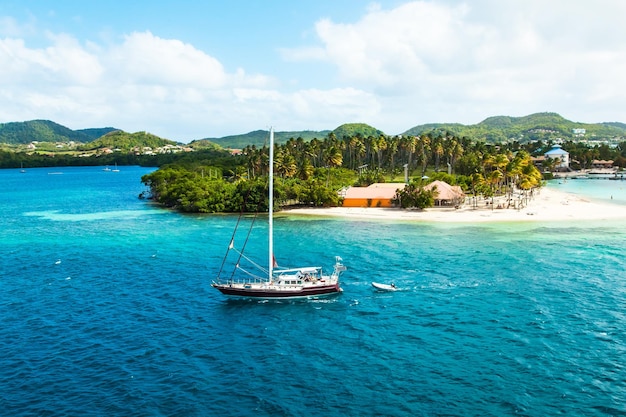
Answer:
(126, 141)
(538, 126)
(496, 129)
(16, 133)
(615, 124)
(259, 138)
(95, 133)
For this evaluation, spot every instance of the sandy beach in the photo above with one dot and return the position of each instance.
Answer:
(548, 205)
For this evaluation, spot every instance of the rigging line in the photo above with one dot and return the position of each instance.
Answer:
(251, 274)
(251, 261)
(232, 238)
(243, 247)
(245, 242)
(230, 246)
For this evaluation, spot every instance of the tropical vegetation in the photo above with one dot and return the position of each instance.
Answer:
(311, 173)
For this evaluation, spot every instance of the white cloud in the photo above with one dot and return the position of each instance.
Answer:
(303, 54)
(396, 46)
(161, 85)
(494, 57)
(350, 103)
(147, 59)
(143, 83)
(393, 68)
(10, 27)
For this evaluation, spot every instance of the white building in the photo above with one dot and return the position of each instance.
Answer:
(558, 153)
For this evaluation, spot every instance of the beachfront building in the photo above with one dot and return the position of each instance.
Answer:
(602, 164)
(376, 195)
(559, 154)
(382, 194)
(447, 195)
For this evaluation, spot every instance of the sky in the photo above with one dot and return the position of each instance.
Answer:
(189, 70)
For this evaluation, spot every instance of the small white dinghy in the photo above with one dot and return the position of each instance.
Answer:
(384, 287)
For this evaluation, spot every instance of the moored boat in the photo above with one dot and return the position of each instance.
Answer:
(384, 287)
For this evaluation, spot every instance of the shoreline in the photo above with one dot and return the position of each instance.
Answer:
(547, 205)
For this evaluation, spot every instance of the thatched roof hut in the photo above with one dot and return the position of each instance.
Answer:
(447, 195)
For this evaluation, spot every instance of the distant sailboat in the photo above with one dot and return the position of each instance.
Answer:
(106, 168)
(274, 282)
(115, 169)
(22, 170)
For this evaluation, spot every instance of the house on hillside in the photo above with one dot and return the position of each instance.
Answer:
(447, 195)
(376, 195)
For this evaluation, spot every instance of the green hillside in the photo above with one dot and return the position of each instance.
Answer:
(259, 138)
(126, 141)
(356, 129)
(496, 129)
(95, 133)
(538, 126)
(615, 124)
(21, 133)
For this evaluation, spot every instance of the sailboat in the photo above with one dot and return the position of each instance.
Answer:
(275, 282)
(115, 169)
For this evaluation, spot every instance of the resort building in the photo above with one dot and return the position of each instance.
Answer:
(559, 154)
(376, 195)
(602, 164)
(382, 194)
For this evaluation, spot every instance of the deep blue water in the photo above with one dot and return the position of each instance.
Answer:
(107, 310)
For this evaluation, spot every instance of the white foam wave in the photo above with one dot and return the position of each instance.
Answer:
(55, 215)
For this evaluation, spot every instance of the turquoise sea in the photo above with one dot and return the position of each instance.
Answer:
(107, 310)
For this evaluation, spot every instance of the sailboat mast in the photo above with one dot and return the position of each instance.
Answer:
(271, 206)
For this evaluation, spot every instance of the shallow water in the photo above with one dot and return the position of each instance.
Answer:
(107, 309)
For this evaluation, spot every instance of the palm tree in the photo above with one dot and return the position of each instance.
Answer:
(392, 149)
(304, 169)
(477, 183)
(315, 147)
(494, 180)
(360, 152)
(408, 144)
(253, 160)
(424, 144)
(284, 163)
(371, 147)
(381, 145)
(333, 158)
(438, 151)
(456, 152)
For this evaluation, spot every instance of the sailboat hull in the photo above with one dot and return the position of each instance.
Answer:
(269, 291)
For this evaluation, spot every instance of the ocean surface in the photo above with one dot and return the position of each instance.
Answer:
(107, 310)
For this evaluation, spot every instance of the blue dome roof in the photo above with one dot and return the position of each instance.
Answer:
(557, 150)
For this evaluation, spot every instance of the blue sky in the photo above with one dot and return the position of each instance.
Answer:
(193, 69)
